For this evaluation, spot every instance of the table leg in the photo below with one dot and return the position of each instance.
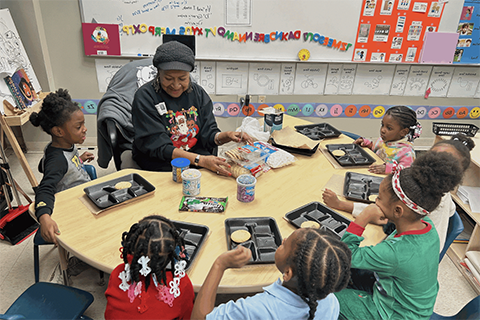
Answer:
(63, 255)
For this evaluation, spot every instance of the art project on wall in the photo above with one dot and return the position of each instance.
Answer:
(373, 79)
(232, 77)
(393, 31)
(334, 74)
(287, 78)
(207, 76)
(263, 78)
(310, 78)
(468, 50)
(440, 81)
(464, 82)
(399, 80)
(417, 80)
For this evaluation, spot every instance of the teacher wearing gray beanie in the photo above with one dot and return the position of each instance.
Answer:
(173, 116)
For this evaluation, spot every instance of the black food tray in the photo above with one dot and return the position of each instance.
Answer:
(305, 152)
(105, 195)
(326, 217)
(194, 236)
(360, 187)
(318, 131)
(264, 241)
(354, 155)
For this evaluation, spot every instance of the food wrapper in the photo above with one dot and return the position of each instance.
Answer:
(250, 158)
(237, 170)
(275, 158)
(203, 204)
(291, 138)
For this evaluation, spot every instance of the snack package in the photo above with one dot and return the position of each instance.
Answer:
(237, 170)
(275, 158)
(250, 158)
(203, 204)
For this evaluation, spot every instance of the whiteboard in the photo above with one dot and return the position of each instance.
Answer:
(333, 19)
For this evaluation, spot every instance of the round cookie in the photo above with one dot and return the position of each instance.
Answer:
(123, 185)
(372, 197)
(338, 153)
(310, 224)
(240, 236)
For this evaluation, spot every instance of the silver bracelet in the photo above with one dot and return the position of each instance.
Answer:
(216, 140)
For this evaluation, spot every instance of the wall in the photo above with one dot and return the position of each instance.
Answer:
(52, 35)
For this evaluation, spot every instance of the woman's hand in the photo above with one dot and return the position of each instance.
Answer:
(377, 168)
(48, 228)
(215, 164)
(227, 136)
(87, 156)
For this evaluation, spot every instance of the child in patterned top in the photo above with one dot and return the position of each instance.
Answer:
(399, 129)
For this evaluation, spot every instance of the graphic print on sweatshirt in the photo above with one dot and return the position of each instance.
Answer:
(183, 128)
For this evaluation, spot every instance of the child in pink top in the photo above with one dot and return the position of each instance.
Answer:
(399, 129)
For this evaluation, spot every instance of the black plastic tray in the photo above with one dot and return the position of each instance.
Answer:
(265, 240)
(326, 217)
(318, 131)
(105, 195)
(360, 187)
(354, 155)
(305, 152)
(194, 236)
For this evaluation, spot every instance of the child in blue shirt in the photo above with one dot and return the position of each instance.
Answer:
(314, 264)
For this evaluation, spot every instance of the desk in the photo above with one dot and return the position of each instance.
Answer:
(96, 238)
(471, 178)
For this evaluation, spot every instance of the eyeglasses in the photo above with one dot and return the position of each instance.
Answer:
(378, 285)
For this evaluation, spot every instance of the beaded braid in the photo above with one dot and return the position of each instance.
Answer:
(322, 266)
(157, 238)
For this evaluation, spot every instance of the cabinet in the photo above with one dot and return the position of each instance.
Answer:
(471, 178)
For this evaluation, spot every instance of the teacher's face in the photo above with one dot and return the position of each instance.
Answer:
(174, 82)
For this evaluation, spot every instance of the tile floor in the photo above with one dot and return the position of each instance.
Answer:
(16, 263)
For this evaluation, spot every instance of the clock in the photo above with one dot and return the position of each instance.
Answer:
(304, 54)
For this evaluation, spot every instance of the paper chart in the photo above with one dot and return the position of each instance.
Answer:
(464, 82)
(207, 76)
(417, 80)
(231, 77)
(399, 80)
(263, 78)
(310, 78)
(373, 79)
(440, 79)
(287, 78)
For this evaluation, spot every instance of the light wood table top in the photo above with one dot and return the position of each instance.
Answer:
(96, 238)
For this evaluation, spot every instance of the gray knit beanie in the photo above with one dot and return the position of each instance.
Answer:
(174, 55)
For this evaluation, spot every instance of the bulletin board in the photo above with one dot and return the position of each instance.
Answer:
(393, 31)
(249, 30)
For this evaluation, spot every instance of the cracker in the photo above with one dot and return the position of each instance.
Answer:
(123, 185)
(310, 224)
(240, 236)
(372, 197)
(338, 153)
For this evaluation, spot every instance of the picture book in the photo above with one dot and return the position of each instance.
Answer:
(21, 88)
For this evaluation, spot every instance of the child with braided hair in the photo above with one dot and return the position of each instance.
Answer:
(405, 265)
(144, 287)
(314, 264)
(62, 166)
(399, 129)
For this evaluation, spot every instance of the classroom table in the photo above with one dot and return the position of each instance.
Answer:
(96, 239)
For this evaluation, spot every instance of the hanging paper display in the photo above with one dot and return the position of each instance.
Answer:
(468, 49)
(393, 30)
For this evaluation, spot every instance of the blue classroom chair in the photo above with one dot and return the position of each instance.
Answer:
(471, 311)
(354, 136)
(455, 227)
(45, 300)
(38, 240)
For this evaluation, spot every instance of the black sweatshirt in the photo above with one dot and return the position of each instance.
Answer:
(62, 169)
(163, 123)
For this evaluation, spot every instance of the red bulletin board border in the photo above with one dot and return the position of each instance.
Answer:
(369, 46)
